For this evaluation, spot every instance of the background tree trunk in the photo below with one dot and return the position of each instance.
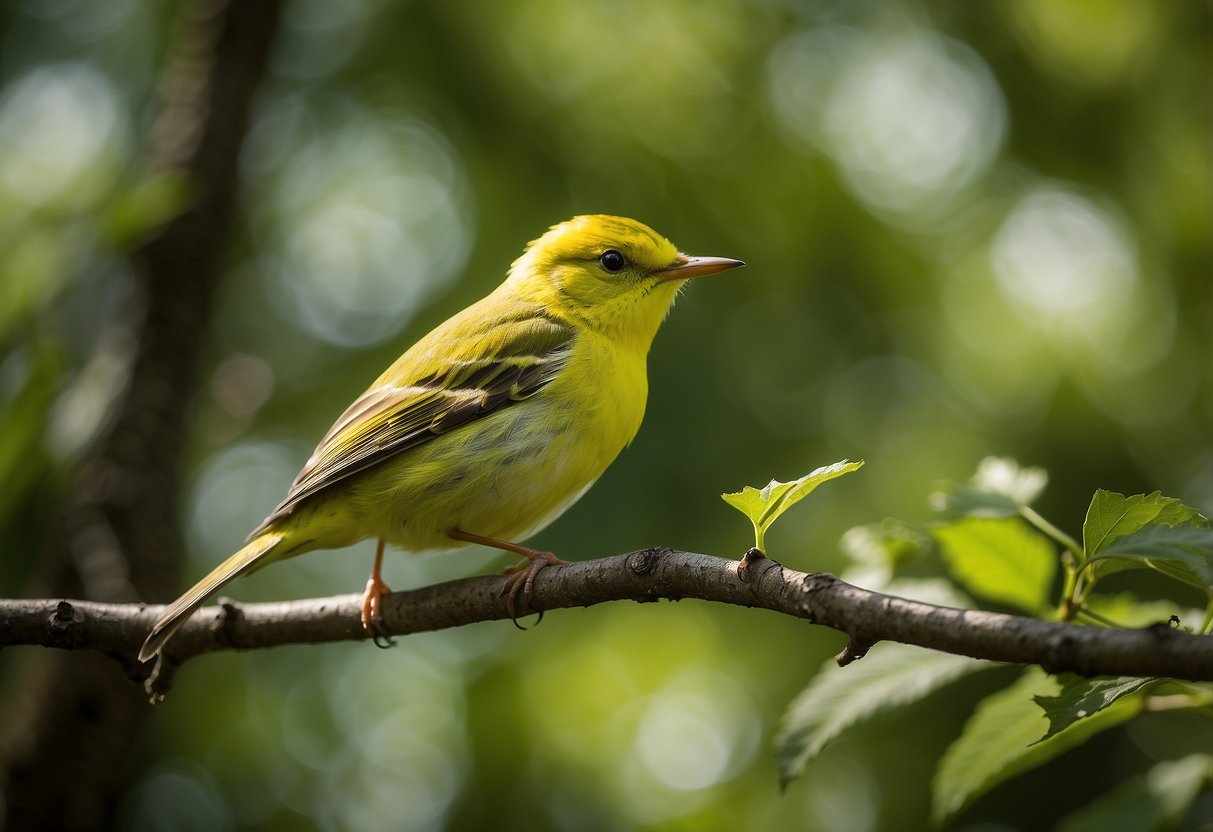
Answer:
(70, 739)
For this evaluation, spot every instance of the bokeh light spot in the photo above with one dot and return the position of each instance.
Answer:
(60, 136)
(406, 748)
(233, 491)
(1097, 43)
(910, 119)
(697, 731)
(670, 61)
(176, 798)
(320, 37)
(365, 220)
(1061, 257)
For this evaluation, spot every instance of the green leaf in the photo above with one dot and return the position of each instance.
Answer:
(1000, 488)
(839, 698)
(1184, 553)
(998, 742)
(1112, 516)
(1083, 698)
(764, 507)
(1000, 559)
(1157, 801)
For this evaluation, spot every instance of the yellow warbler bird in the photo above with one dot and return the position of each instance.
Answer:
(490, 426)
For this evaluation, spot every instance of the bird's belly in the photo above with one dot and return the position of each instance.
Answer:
(505, 476)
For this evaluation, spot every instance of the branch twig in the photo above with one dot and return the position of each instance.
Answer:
(647, 575)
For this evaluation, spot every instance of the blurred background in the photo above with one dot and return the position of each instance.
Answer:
(971, 229)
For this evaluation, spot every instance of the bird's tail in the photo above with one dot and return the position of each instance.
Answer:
(252, 555)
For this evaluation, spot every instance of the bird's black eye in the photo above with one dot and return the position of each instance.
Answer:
(612, 260)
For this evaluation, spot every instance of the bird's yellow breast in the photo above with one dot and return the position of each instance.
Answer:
(508, 474)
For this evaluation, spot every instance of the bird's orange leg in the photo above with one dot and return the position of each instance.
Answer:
(372, 603)
(521, 577)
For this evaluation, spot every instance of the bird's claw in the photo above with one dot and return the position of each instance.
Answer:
(372, 612)
(522, 580)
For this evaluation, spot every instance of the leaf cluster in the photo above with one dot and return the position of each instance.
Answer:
(995, 546)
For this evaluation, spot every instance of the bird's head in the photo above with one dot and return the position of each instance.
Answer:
(611, 274)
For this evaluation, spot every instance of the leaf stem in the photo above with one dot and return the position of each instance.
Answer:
(1072, 561)
(1094, 616)
(1070, 544)
(1067, 608)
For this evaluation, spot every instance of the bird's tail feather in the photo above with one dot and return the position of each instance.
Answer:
(253, 553)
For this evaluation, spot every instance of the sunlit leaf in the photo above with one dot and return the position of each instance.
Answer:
(1157, 801)
(1083, 698)
(1000, 559)
(839, 698)
(999, 742)
(1111, 516)
(764, 506)
(1000, 488)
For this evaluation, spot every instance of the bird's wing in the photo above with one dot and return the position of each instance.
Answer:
(446, 380)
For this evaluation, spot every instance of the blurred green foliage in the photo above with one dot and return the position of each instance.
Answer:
(971, 229)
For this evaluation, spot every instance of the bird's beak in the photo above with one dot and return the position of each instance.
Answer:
(685, 267)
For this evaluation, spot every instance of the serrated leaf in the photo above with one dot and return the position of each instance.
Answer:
(1183, 552)
(1000, 559)
(1157, 801)
(1190, 571)
(996, 744)
(839, 698)
(764, 506)
(1000, 488)
(1111, 516)
(1081, 698)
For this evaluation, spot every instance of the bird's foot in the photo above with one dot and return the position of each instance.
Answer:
(372, 611)
(522, 580)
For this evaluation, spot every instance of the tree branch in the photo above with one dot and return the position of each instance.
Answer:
(647, 575)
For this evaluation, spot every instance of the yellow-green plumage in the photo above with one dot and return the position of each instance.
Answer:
(496, 421)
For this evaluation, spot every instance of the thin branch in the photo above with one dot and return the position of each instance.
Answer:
(647, 575)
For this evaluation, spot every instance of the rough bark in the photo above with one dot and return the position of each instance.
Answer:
(865, 617)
